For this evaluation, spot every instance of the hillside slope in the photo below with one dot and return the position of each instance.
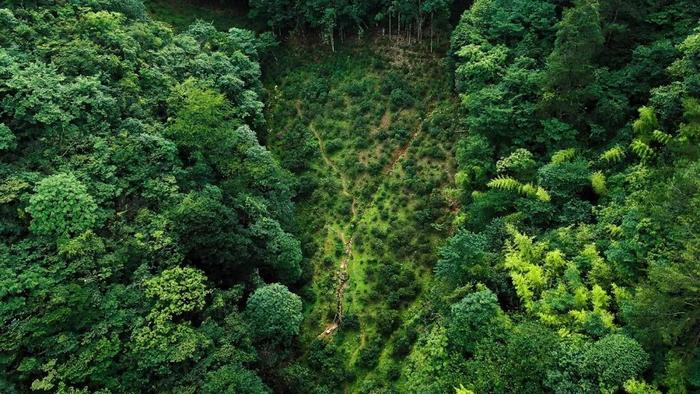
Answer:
(369, 132)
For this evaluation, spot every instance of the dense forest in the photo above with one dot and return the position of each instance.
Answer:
(350, 196)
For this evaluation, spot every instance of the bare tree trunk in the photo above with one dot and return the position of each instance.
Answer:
(431, 32)
(332, 41)
(419, 21)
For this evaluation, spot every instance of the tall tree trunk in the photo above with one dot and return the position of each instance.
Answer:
(431, 31)
(419, 20)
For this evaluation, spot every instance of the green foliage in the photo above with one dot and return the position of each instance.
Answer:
(464, 259)
(61, 206)
(505, 183)
(639, 387)
(400, 99)
(690, 128)
(430, 367)
(176, 291)
(613, 155)
(512, 185)
(646, 123)
(521, 364)
(598, 182)
(462, 390)
(282, 252)
(615, 359)
(474, 155)
(8, 141)
(476, 316)
(375, 202)
(659, 311)
(520, 163)
(552, 288)
(394, 281)
(274, 313)
(139, 208)
(136, 201)
(570, 66)
(327, 17)
(232, 378)
(563, 155)
(583, 272)
(641, 149)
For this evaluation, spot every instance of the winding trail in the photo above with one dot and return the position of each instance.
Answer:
(342, 275)
(346, 233)
(330, 163)
(401, 151)
(343, 180)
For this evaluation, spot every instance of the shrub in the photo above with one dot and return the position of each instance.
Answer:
(369, 355)
(387, 321)
(399, 99)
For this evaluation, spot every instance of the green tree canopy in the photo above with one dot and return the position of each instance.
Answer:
(61, 206)
(274, 313)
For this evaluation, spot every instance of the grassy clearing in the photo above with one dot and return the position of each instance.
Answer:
(386, 149)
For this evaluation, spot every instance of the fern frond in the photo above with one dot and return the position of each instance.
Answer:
(542, 195)
(528, 189)
(613, 155)
(661, 137)
(462, 390)
(613, 230)
(504, 183)
(641, 149)
(598, 182)
(599, 298)
(646, 123)
(563, 155)
(512, 185)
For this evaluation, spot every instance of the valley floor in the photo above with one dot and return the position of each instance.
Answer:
(360, 129)
(369, 132)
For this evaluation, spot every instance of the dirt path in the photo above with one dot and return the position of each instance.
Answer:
(322, 147)
(401, 151)
(329, 162)
(343, 276)
(346, 233)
